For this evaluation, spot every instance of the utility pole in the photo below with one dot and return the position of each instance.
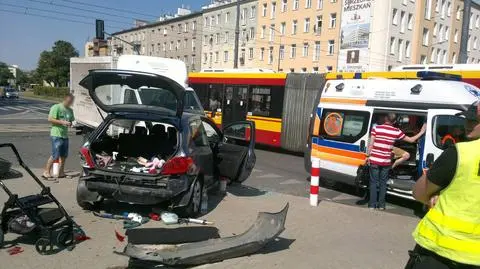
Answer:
(237, 37)
(463, 55)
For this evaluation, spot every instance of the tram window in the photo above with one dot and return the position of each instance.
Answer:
(260, 103)
(266, 101)
(215, 97)
(343, 125)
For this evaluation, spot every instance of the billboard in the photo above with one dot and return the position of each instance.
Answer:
(353, 54)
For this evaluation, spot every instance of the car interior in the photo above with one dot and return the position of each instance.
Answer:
(128, 145)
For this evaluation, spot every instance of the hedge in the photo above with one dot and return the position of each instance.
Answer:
(51, 91)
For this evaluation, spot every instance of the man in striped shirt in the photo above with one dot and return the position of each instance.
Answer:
(380, 148)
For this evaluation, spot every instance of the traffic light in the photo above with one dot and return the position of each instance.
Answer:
(99, 29)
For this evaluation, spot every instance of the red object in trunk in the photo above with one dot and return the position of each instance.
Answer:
(177, 166)
(88, 157)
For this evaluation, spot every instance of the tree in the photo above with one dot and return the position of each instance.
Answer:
(5, 74)
(54, 65)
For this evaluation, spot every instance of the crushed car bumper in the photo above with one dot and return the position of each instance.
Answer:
(266, 228)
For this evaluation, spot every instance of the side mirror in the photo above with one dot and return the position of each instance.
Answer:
(362, 146)
(430, 159)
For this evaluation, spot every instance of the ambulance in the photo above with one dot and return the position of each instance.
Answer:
(348, 109)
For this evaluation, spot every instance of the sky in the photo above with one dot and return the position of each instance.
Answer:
(24, 37)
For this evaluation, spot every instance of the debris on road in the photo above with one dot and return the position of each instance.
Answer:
(265, 229)
(15, 250)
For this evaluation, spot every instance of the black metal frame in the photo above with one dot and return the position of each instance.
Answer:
(50, 235)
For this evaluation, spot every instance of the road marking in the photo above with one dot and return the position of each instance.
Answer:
(291, 182)
(257, 170)
(4, 108)
(25, 108)
(15, 108)
(270, 175)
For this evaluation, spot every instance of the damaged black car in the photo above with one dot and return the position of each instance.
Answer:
(155, 152)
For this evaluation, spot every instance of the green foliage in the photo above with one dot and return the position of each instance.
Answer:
(54, 65)
(5, 74)
(51, 91)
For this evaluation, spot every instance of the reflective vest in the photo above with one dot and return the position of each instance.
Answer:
(448, 137)
(452, 228)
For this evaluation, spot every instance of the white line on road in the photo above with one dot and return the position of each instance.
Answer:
(4, 108)
(16, 108)
(291, 182)
(270, 175)
(24, 108)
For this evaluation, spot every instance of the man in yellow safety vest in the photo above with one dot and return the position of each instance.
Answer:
(449, 234)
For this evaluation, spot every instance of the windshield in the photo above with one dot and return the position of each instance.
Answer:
(10, 90)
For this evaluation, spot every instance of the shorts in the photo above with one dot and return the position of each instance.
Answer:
(398, 153)
(59, 147)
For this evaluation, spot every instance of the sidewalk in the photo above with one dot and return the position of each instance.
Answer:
(328, 236)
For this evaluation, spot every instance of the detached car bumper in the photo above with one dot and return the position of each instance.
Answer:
(137, 190)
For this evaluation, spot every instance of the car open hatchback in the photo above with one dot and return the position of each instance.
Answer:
(155, 152)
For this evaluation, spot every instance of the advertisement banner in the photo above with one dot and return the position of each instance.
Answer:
(354, 36)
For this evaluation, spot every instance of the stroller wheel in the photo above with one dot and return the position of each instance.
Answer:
(65, 238)
(44, 246)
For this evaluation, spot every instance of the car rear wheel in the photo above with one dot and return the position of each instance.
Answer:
(193, 207)
(1, 237)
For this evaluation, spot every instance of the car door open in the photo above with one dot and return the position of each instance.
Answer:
(236, 151)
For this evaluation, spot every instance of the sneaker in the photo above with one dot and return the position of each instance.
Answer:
(382, 208)
(371, 208)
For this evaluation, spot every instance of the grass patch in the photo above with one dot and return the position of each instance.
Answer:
(31, 95)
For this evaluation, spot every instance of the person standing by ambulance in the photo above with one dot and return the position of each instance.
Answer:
(448, 237)
(61, 117)
(380, 157)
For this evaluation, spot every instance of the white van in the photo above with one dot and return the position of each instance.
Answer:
(348, 109)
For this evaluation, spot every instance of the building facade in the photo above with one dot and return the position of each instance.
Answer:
(178, 37)
(298, 35)
(219, 24)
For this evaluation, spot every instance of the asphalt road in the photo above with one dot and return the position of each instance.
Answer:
(274, 172)
(15, 106)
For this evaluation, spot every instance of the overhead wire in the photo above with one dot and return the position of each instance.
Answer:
(110, 8)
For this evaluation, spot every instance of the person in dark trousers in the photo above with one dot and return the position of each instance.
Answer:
(448, 237)
(380, 157)
(61, 117)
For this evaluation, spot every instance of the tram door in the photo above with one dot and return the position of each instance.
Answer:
(235, 104)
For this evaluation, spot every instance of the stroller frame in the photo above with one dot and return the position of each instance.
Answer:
(57, 231)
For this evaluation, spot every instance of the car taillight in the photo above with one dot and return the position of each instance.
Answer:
(87, 157)
(177, 166)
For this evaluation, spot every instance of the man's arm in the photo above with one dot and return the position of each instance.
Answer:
(413, 139)
(438, 177)
(370, 144)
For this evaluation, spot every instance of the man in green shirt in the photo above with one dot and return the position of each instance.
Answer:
(61, 117)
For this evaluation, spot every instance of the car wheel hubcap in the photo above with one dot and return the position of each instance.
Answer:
(197, 195)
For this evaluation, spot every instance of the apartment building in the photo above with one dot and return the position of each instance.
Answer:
(297, 35)
(176, 37)
(219, 23)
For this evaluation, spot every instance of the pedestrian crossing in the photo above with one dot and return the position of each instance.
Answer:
(7, 107)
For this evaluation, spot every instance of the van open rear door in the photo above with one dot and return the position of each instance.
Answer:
(440, 124)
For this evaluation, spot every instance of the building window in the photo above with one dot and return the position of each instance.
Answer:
(205, 22)
(392, 45)
(426, 36)
(308, 3)
(440, 34)
(292, 70)
(331, 47)
(459, 13)
(469, 43)
(454, 58)
(243, 16)
(262, 54)
(227, 17)
(333, 20)
(217, 38)
(439, 56)
(293, 51)
(449, 9)
(194, 44)
(408, 49)
(306, 25)
(477, 21)
(395, 16)
(400, 50)
(264, 10)
(295, 4)
(185, 43)
(447, 32)
(262, 32)
(475, 42)
(316, 54)
(194, 25)
(171, 45)
(227, 34)
(444, 8)
(252, 33)
(410, 21)
(435, 29)
(455, 37)
(428, 9)
(403, 22)
(270, 55)
(253, 12)
(437, 6)
(432, 56)
(250, 53)
(273, 10)
(294, 27)
(283, 27)
(272, 33)
(281, 52)
(319, 4)
(217, 56)
(225, 56)
(284, 6)
(444, 60)
(318, 25)
(423, 59)
(305, 50)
